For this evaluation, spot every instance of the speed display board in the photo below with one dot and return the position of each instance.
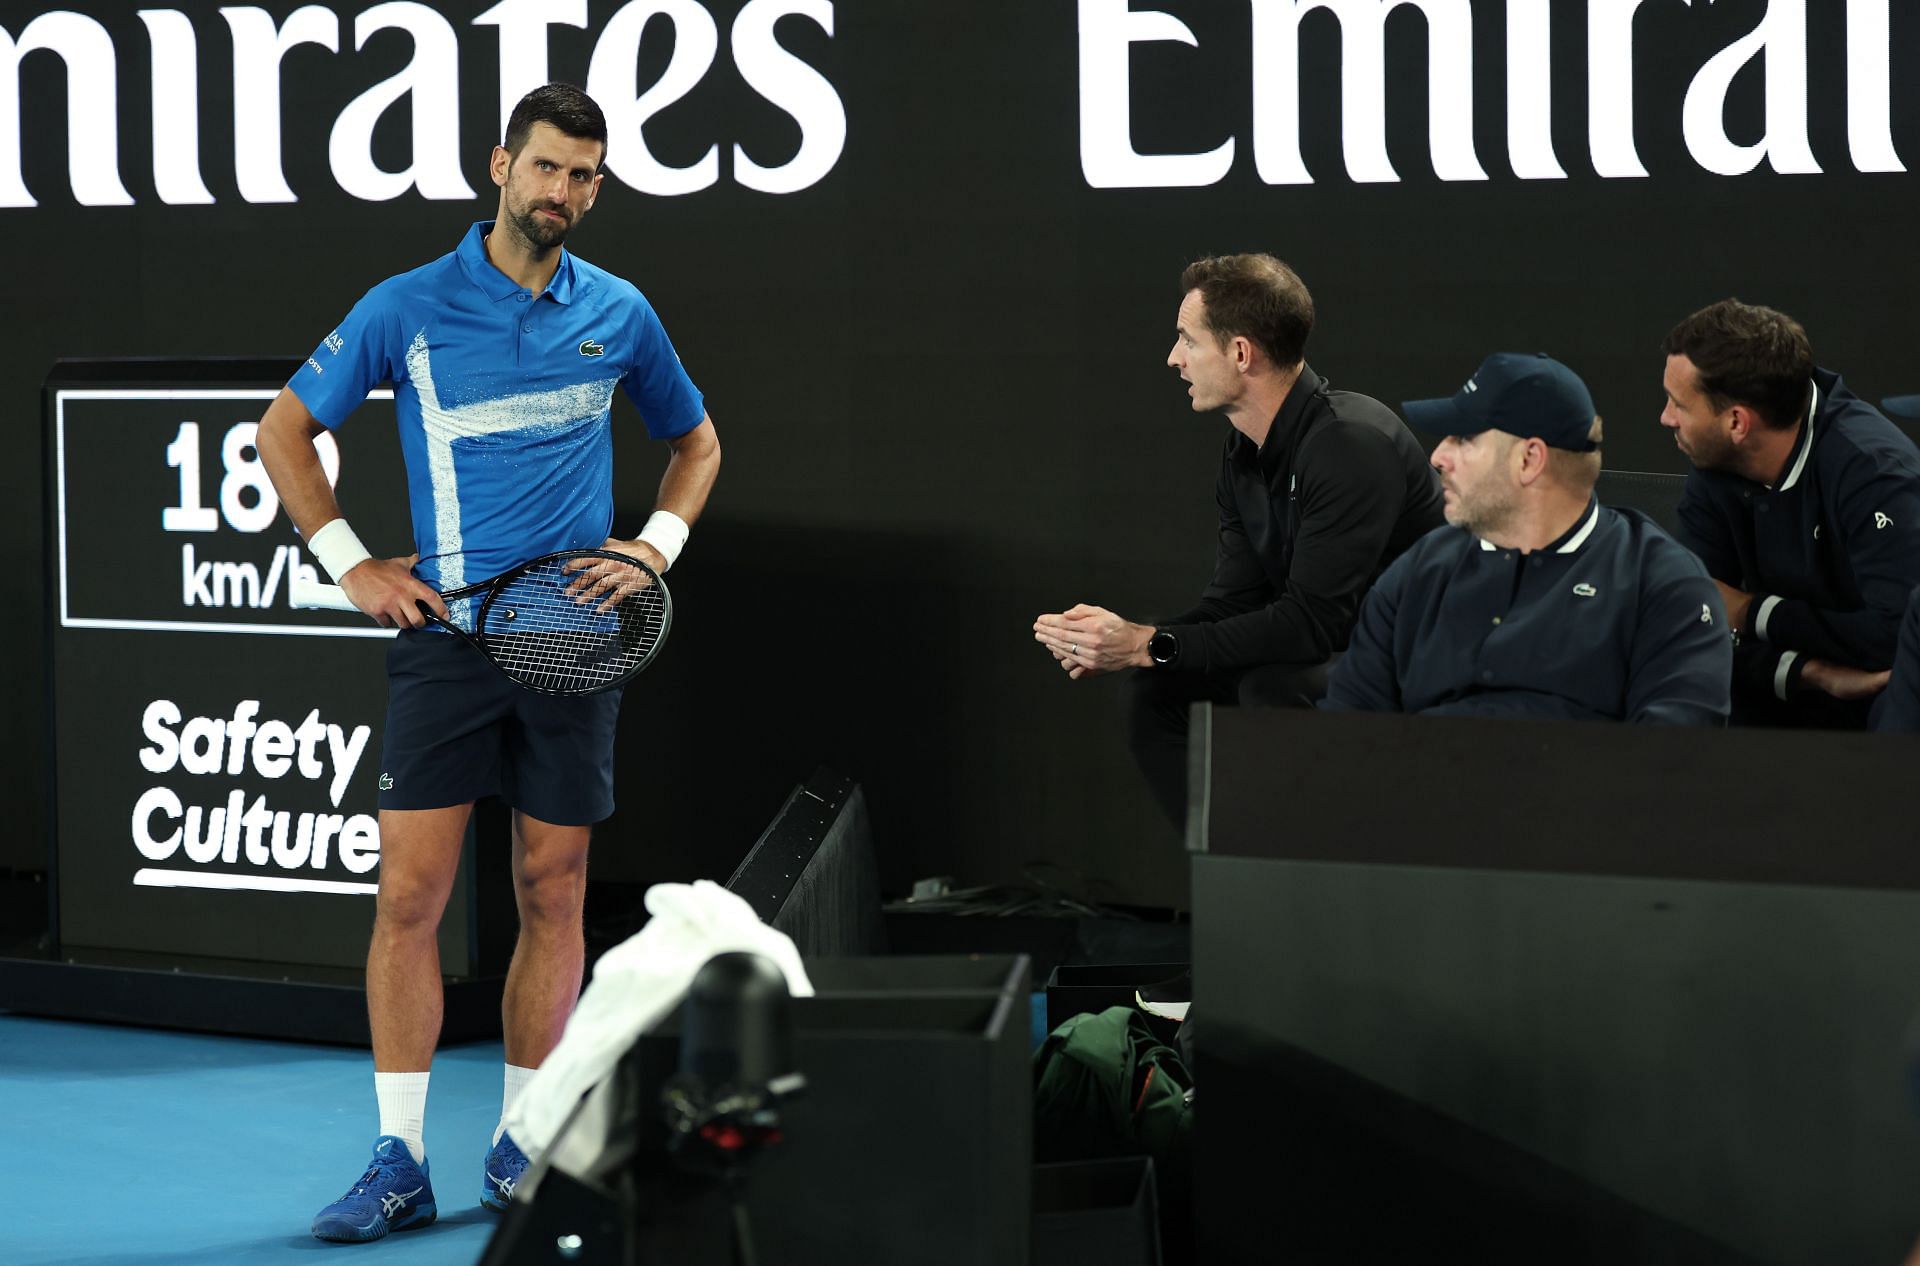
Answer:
(216, 751)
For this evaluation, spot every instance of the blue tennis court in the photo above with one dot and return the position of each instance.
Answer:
(137, 1146)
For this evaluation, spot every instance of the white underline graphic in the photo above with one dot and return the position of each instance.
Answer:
(185, 626)
(151, 878)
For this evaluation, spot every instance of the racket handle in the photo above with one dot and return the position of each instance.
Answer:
(313, 595)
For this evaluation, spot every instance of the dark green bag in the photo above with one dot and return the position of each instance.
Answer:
(1105, 1085)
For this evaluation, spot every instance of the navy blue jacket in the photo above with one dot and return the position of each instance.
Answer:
(1614, 621)
(1830, 554)
(1899, 708)
(1307, 520)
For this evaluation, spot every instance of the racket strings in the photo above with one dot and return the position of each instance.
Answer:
(545, 628)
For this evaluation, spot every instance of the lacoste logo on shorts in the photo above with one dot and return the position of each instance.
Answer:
(386, 782)
(591, 348)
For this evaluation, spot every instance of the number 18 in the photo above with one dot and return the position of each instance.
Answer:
(244, 471)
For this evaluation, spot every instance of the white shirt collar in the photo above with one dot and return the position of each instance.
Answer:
(1573, 543)
(1800, 462)
(1579, 538)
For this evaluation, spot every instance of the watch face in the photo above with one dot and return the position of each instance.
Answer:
(1161, 648)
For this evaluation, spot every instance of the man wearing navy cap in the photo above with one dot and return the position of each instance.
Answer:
(1544, 603)
(1804, 503)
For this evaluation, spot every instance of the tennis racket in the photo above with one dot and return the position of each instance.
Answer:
(573, 623)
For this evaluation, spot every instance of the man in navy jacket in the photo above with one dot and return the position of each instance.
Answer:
(1804, 503)
(1537, 601)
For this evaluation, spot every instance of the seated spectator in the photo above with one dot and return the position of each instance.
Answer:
(1804, 503)
(1537, 601)
(1319, 489)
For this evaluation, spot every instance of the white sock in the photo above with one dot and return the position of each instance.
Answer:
(403, 1109)
(517, 1078)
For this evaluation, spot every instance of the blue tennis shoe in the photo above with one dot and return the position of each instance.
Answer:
(501, 1174)
(393, 1195)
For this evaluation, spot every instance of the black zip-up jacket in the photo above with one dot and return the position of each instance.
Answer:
(1308, 521)
(1830, 554)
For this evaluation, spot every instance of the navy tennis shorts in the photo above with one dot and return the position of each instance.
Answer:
(458, 730)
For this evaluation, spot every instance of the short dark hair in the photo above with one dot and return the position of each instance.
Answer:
(1255, 297)
(1748, 355)
(570, 110)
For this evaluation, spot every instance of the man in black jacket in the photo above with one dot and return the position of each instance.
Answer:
(1319, 491)
(1804, 503)
(1539, 602)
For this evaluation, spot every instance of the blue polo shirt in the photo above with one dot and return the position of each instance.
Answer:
(1613, 621)
(504, 400)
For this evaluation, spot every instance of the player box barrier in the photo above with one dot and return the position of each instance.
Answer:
(1096, 1213)
(1552, 991)
(912, 1141)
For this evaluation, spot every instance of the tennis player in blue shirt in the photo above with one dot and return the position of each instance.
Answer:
(1535, 601)
(504, 356)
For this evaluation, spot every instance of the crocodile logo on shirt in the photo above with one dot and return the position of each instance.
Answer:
(386, 782)
(591, 348)
(1585, 590)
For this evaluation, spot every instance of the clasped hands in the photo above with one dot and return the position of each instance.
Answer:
(1089, 641)
(1842, 681)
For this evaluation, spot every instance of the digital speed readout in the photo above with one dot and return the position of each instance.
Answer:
(169, 485)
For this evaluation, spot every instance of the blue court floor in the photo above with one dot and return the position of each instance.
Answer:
(122, 1145)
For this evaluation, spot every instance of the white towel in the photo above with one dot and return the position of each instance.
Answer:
(635, 985)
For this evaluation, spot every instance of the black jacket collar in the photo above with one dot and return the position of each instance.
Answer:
(1284, 435)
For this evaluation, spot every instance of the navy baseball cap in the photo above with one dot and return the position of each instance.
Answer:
(1531, 395)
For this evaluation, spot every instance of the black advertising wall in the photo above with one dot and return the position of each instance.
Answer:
(923, 260)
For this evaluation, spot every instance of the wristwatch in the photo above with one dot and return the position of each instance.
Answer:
(1163, 648)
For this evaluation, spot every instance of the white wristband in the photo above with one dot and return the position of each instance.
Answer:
(666, 532)
(337, 549)
(1783, 672)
